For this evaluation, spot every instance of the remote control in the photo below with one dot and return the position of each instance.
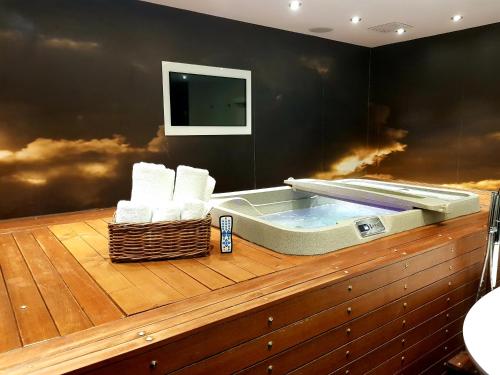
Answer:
(226, 234)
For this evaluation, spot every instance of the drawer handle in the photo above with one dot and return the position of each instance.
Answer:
(349, 310)
(270, 320)
(348, 331)
(269, 345)
(349, 288)
(270, 368)
(153, 364)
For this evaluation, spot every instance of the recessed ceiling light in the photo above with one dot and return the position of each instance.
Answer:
(400, 31)
(295, 5)
(457, 17)
(356, 19)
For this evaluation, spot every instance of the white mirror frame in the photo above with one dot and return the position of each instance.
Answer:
(168, 67)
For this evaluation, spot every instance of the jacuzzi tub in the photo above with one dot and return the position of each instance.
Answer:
(316, 216)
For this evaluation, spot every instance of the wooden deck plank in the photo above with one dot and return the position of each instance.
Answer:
(145, 289)
(225, 267)
(95, 302)
(92, 237)
(180, 281)
(202, 273)
(11, 225)
(101, 270)
(99, 226)
(269, 260)
(154, 289)
(33, 318)
(64, 309)
(247, 264)
(9, 339)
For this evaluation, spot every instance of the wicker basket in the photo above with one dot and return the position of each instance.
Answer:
(163, 240)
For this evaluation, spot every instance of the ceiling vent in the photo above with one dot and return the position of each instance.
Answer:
(320, 30)
(390, 27)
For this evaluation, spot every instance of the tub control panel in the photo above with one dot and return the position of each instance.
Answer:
(370, 226)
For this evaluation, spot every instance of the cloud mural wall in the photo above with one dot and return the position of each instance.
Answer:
(81, 101)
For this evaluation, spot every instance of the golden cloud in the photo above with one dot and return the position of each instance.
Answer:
(10, 35)
(44, 149)
(359, 158)
(67, 43)
(495, 136)
(322, 65)
(477, 185)
(46, 159)
(51, 42)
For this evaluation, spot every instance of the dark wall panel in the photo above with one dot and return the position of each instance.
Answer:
(81, 100)
(444, 91)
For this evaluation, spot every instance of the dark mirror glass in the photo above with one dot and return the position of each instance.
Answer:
(200, 100)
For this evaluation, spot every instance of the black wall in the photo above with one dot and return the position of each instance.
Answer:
(445, 92)
(81, 101)
(76, 72)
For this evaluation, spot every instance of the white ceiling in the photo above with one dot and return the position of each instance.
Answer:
(428, 17)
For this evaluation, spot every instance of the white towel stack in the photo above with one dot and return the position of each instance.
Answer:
(132, 212)
(193, 209)
(209, 190)
(190, 183)
(169, 211)
(152, 184)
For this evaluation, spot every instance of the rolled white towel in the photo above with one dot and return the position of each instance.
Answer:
(168, 212)
(209, 189)
(190, 183)
(132, 212)
(152, 184)
(194, 209)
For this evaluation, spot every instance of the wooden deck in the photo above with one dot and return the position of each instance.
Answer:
(58, 279)
(64, 305)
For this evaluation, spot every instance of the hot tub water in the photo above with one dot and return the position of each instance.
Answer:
(325, 215)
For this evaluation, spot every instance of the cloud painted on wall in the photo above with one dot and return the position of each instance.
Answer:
(478, 185)
(51, 42)
(53, 174)
(359, 157)
(67, 43)
(46, 159)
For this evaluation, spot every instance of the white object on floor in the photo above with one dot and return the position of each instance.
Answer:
(152, 184)
(481, 332)
(194, 209)
(132, 212)
(170, 211)
(190, 183)
(209, 188)
(494, 265)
